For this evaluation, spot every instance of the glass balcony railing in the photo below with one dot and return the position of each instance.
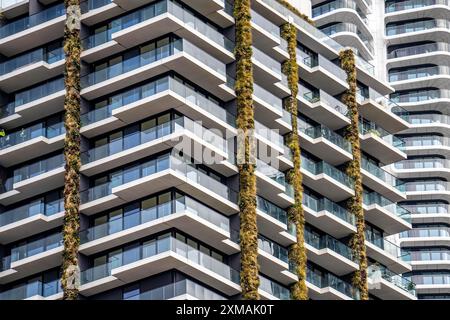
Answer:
(271, 209)
(314, 60)
(41, 54)
(172, 290)
(266, 60)
(417, 73)
(375, 129)
(386, 245)
(133, 63)
(324, 280)
(33, 170)
(426, 118)
(326, 241)
(431, 279)
(376, 198)
(327, 99)
(425, 141)
(151, 11)
(141, 137)
(351, 28)
(32, 248)
(425, 163)
(183, 204)
(265, 24)
(394, 6)
(93, 4)
(430, 255)
(403, 283)
(427, 186)
(31, 209)
(8, 3)
(322, 131)
(325, 204)
(426, 232)
(273, 248)
(274, 288)
(418, 49)
(37, 130)
(269, 134)
(428, 208)
(154, 166)
(157, 246)
(35, 288)
(383, 175)
(322, 167)
(32, 21)
(31, 95)
(268, 97)
(416, 26)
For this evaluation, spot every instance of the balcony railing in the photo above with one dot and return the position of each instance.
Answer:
(325, 204)
(320, 95)
(32, 21)
(383, 175)
(396, 279)
(324, 280)
(327, 169)
(416, 26)
(9, 3)
(322, 131)
(155, 247)
(273, 248)
(352, 28)
(431, 279)
(274, 288)
(418, 73)
(430, 255)
(426, 232)
(271, 209)
(426, 118)
(33, 170)
(268, 97)
(265, 24)
(153, 166)
(183, 204)
(37, 130)
(425, 163)
(418, 49)
(423, 141)
(373, 128)
(394, 6)
(375, 198)
(428, 208)
(427, 186)
(274, 174)
(35, 288)
(266, 60)
(326, 241)
(130, 64)
(386, 245)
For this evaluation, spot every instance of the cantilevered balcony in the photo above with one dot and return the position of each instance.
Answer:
(14, 8)
(387, 285)
(34, 103)
(327, 180)
(330, 253)
(420, 77)
(155, 257)
(96, 11)
(386, 214)
(268, 107)
(423, 168)
(178, 132)
(178, 54)
(157, 175)
(427, 145)
(152, 21)
(267, 71)
(270, 290)
(35, 290)
(398, 7)
(418, 30)
(427, 122)
(29, 68)
(431, 283)
(30, 143)
(435, 52)
(185, 214)
(429, 212)
(273, 260)
(32, 31)
(32, 257)
(433, 189)
(32, 218)
(329, 216)
(430, 259)
(32, 179)
(422, 237)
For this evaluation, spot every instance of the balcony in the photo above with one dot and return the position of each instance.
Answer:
(426, 122)
(380, 144)
(387, 285)
(14, 8)
(434, 53)
(153, 21)
(432, 283)
(185, 214)
(429, 212)
(32, 179)
(182, 290)
(27, 69)
(326, 286)
(273, 261)
(178, 55)
(327, 180)
(427, 144)
(409, 5)
(422, 237)
(35, 290)
(96, 11)
(31, 258)
(270, 290)
(330, 253)
(32, 31)
(316, 70)
(32, 218)
(155, 257)
(423, 168)
(420, 77)
(38, 102)
(428, 190)
(268, 107)
(266, 70)
(323, 108)
(329, 216)
(386, 214)
(430, 259)
(154, 176)
(30, 143)
(419, 30)
(181, 133)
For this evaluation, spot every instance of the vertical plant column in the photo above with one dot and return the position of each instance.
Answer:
(71, 226)
(248, 233)
(355, 203)
(296, 216)
(294, 10)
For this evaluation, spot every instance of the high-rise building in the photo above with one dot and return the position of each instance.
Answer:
(158, 222)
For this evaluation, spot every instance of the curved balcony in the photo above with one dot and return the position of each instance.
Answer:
(422, 237)
(427, 144)
(429, 212)
(156, 175)
(35, 290)
(157, 256)
(426, 122)
(387, 285)
(430, 259)
(420, 77)
(38, 102)
(326, 179)
(398, 6)
(32, 31)
(423, 168)
(420, 30)
(430, 283)
(31, 142)
(434, 52)
(428, 190)
(32, 179)
(429, 99)
(32, 257)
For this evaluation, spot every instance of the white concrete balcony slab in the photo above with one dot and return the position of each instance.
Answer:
(100, 10)
(389, 255)
(14, 8)
(330, 260)
(275, 268)
(437, 237)
(390, 217)
(387, 285)
(381, 148)
(382, 182)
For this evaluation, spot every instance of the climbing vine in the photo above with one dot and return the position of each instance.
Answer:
(296, 11)
(355, 203)
(249, 276)
(297, 251)
(71, 225)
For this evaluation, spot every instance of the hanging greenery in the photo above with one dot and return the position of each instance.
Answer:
(297, 251)
(249, 276)
(296, 11)
(355, 203)
(71, 225)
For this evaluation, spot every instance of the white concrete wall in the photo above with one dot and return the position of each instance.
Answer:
(304, 6)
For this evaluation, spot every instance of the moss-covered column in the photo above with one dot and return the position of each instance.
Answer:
(71, 226)
(296, 216)
(355, 203)
(249, 276)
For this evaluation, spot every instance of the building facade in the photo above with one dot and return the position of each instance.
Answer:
(160, 221)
